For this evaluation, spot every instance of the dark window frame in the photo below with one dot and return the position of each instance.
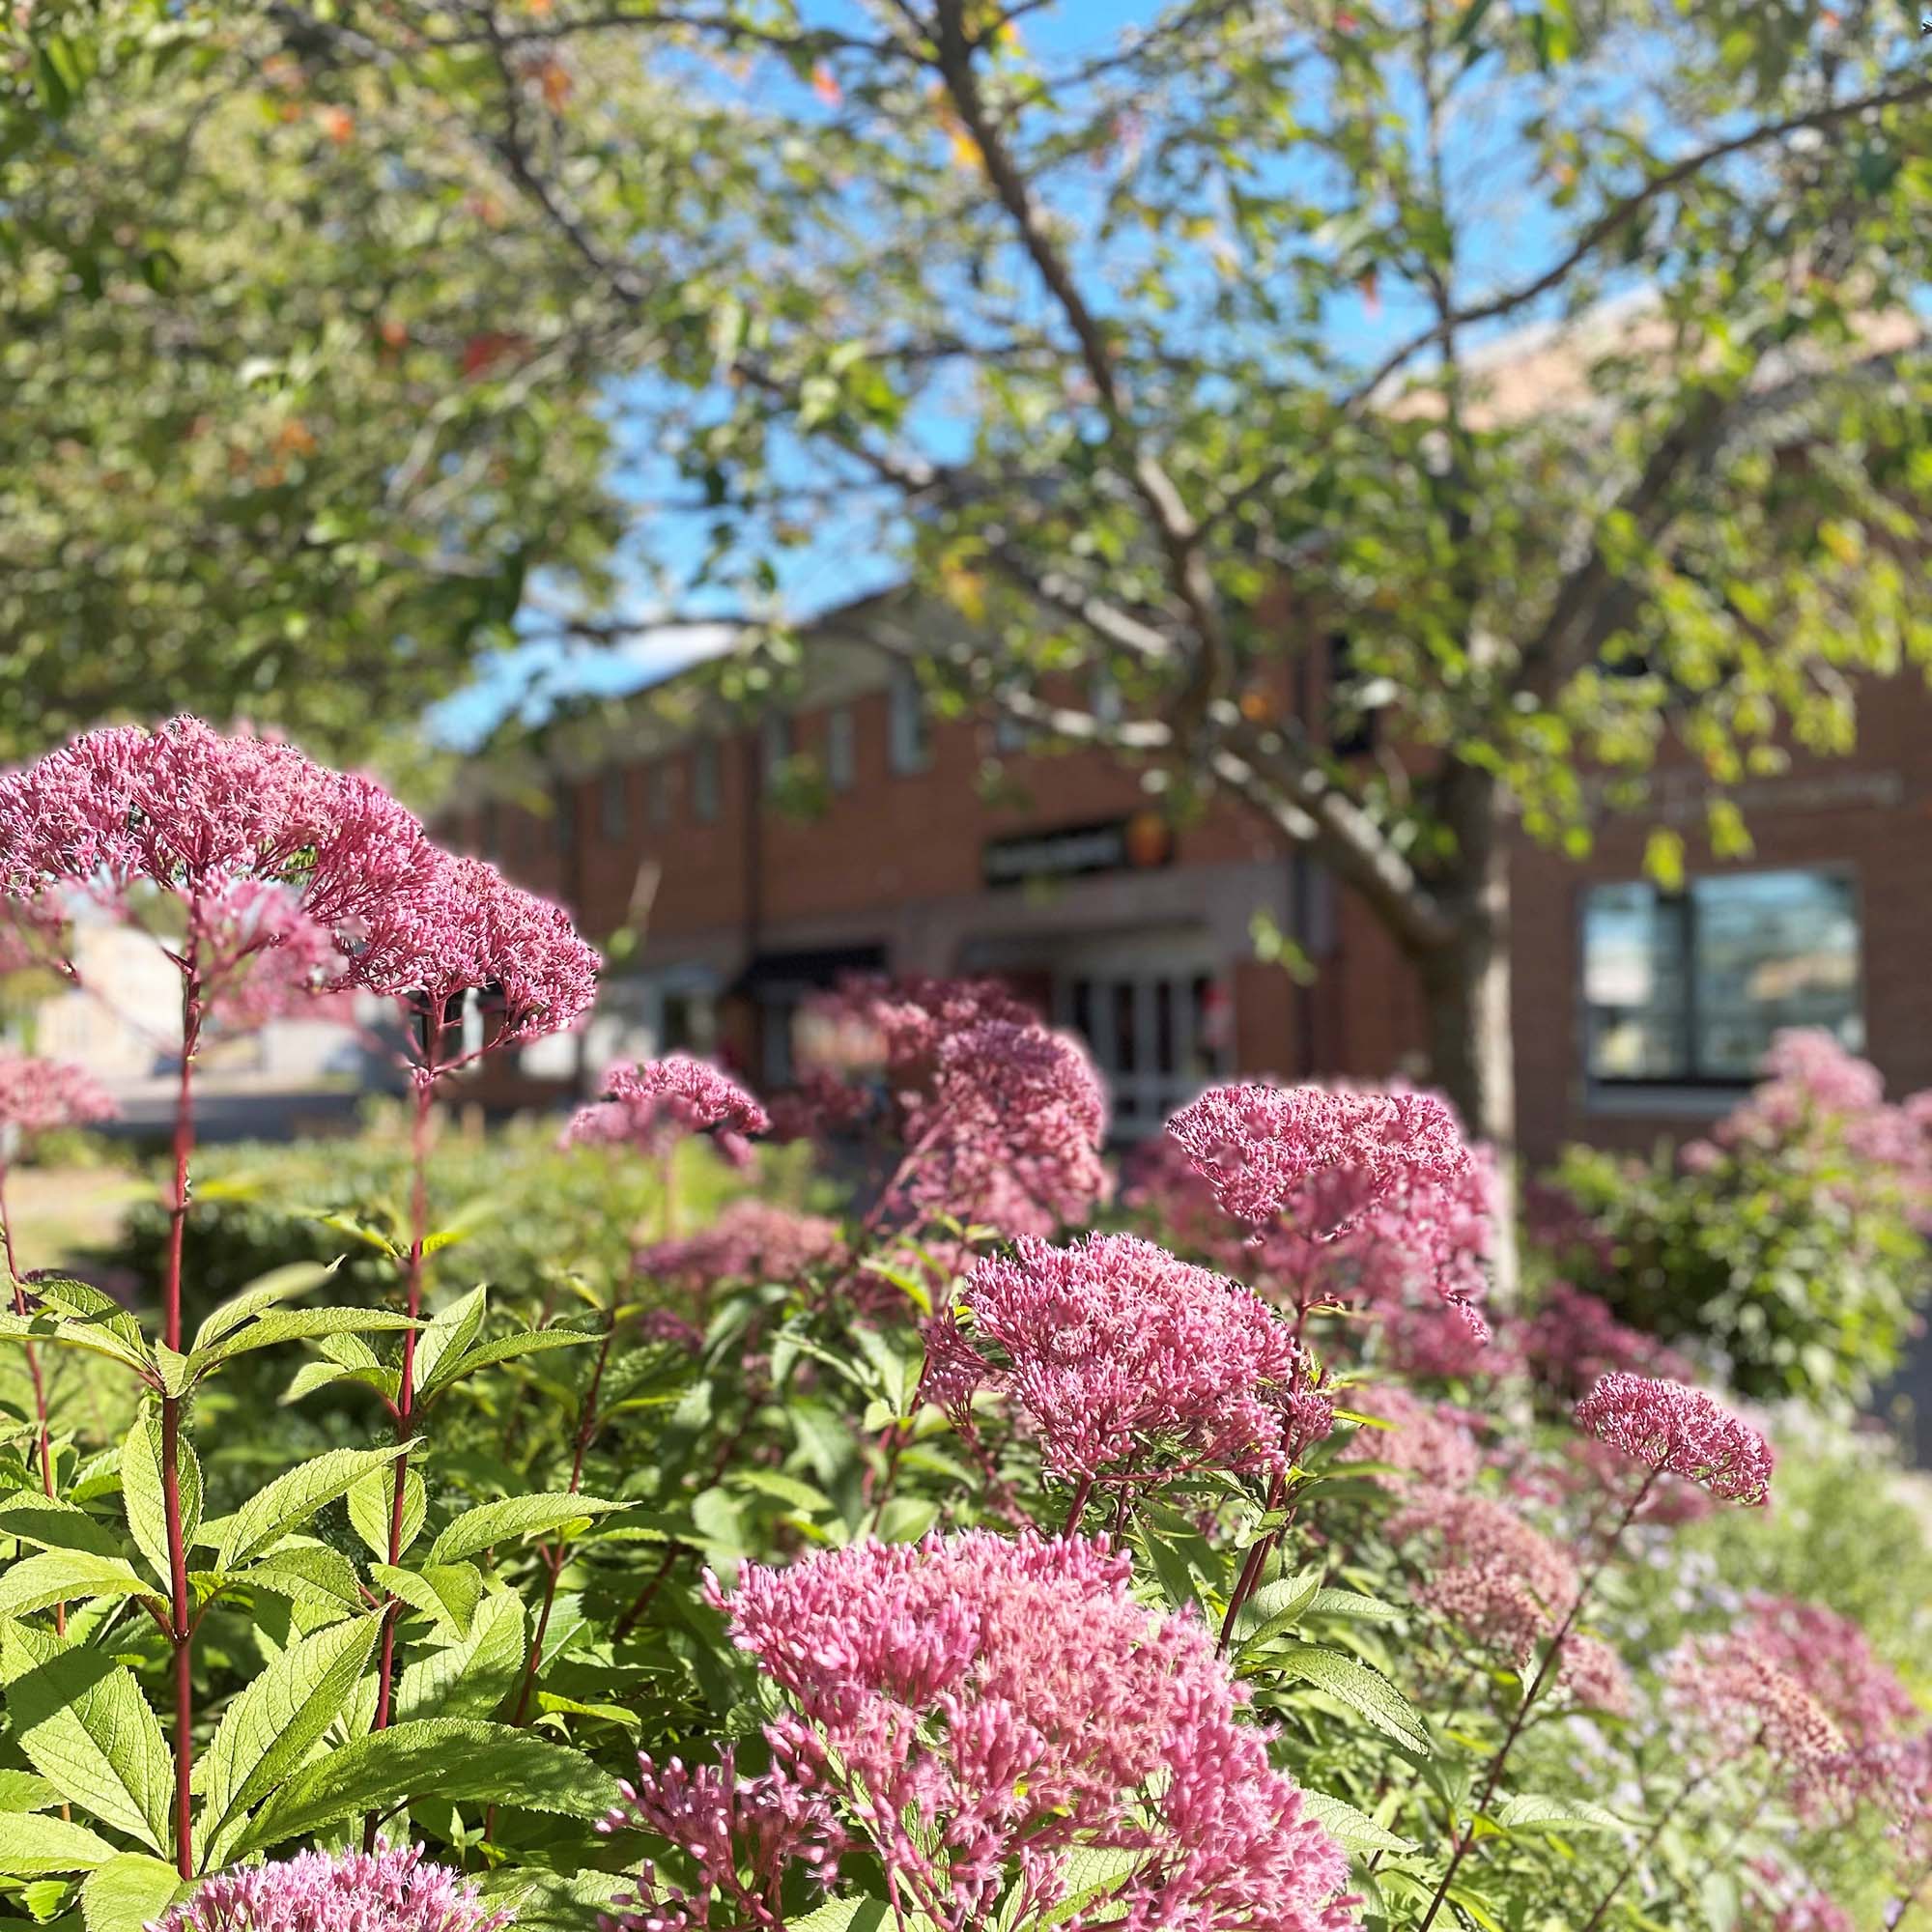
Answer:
(1689, 1079)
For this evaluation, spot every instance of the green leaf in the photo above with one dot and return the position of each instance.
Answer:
(30, 1844)
(1528, 1813)
(504, 1349)
(548, 1901)
(477, 1530)
(1278, 1606)
(1360, 1689)
(1352, 1604)
(50, 1331)
(1176, 1576)
(452, 1331)
(84, 1726)
(128, 1893)
(26, 1791)
(786, 1488)
(1091, 1871)
(308, 1573)
(143, 1493)
(271, 1725)
(1352, 1830)
(470, 1677)
(447, 1593)
(906, 1519)
(849, 1915)
(290, 1500)
(65, 1576)
(371, 1500)
(264, 1291)
(90, 1319)
(296, 1324)
(441, 1757)
(31, 1517)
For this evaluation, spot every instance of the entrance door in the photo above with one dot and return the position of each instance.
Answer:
(1158, 1037)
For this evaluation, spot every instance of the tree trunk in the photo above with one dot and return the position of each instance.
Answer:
(1467, 984)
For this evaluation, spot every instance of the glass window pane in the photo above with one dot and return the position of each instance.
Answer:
(1773, 950)
(1635, 985)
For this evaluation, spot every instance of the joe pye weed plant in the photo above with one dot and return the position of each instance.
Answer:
(966, 1545)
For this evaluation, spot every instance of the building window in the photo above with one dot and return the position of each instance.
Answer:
(1351, 725)
(774, 745)
(661, 783)
(842, 748)
(908, 737)
(1687, 988)
(704, 780)
(1104, 697)
(613, 805)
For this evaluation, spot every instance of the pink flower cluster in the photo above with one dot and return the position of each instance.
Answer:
(1830, 1656)
(1257, 1145)
(1573, 1339)
(388, 1891)
(1129, 1361)
(290, 879)
(653, 1106)
(1673, 1430)
(1424, 1442)
(39, 1094)
(1009, 1134)
(751, 1241)
(742, 1836)
(979, 1709)
(1735, 1699)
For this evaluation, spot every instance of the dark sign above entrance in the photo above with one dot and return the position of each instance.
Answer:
(1135, 843)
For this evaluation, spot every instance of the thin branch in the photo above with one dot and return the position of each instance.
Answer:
(810, 43)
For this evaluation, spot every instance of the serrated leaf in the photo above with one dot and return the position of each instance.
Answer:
(30, 1844)
(477, 1530)
(548, 1901)
(272, 1724)
(442, 1757)
(1176, 1574)
(503, 1349)
(50, 1523)
(264, 1291)
(470, 1677)
(83, 1310)
(65, 1576)
(1352, 1830)
(1091, 1871)
(26, 1791)
(373, 1497)
(1528, 1813)
(310, 1574)
(852, 1914)
(84, 1726)
(143, 1493)
(451, 1332)
(1361, 1688)
(50, 1331)
(1352, 1604)
(128, 1893)
(786, 1488)
(1279, 1606)
(295, 1324)
(447, 1593)
(290, 1500)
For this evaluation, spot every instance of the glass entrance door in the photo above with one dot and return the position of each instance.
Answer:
(1158, 1037)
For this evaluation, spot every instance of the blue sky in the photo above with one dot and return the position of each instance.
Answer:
(845, 558)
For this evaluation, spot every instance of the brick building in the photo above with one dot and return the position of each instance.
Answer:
(753, 861)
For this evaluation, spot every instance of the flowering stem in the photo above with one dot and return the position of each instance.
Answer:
(1545, 1671)
(1251, 1570)
(1077, 1508)
(419, 1125)
(180, 1625)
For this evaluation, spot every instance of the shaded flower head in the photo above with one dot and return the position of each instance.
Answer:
(460, 928)
(1124, 1356)
(388, 1890)
(1256, 1143)
(751, 1241)
(656, 1104)
(980, 1708)
(1426, 1443)
(37, 1095)
(1830, 1656)
(1009, 1132)
(1673, 1430)
(1735, 1699)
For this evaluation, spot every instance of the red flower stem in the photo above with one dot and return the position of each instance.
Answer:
(181, 1625)
(1077, 1508)
(424, 1095)
(1545, 1671)
(1251, 1570)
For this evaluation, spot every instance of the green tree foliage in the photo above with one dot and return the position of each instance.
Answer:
(1173, 359)
(292, 409)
